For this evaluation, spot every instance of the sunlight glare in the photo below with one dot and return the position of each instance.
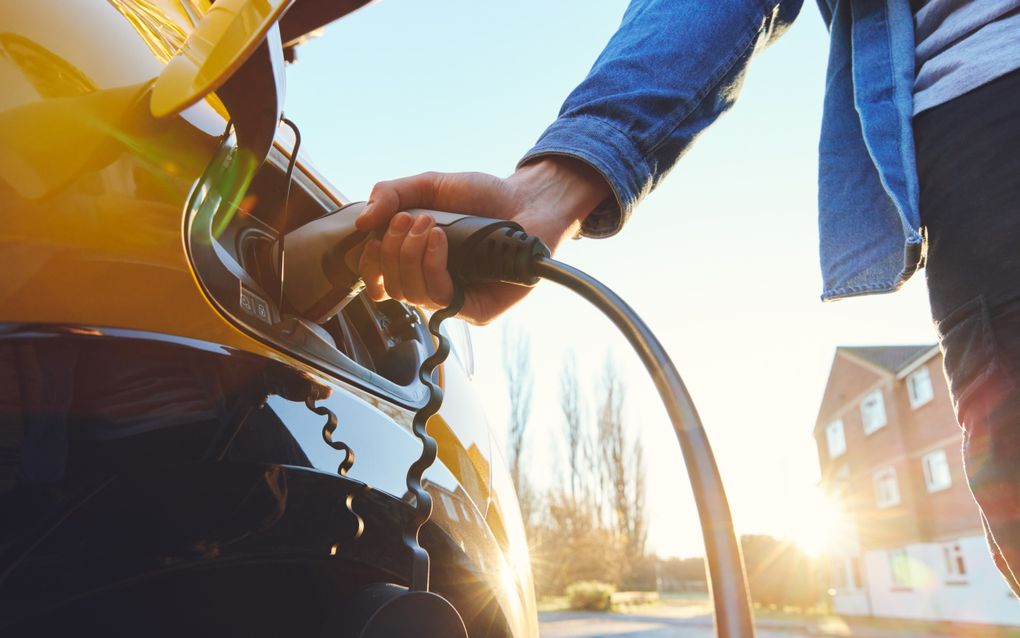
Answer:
(819, 526)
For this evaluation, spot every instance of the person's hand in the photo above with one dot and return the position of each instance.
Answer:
(549, 198)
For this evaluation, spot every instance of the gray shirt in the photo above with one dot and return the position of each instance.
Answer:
(961, 45)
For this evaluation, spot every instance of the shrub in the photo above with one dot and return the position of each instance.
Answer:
(590, 594)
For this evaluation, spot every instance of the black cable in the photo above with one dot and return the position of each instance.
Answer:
(727, 581)
(420, 563)
(284, 219)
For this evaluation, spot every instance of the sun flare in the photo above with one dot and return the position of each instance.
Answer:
(819, 525)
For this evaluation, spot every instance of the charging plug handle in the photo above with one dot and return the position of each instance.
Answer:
(485, 250)
(321, 257)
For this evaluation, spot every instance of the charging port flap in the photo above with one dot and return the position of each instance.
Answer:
(231, 243)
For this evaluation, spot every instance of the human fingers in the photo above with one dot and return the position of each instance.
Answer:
(371, 270)
(437, 278)
(468, 193)
(389, 254)
(412, 255)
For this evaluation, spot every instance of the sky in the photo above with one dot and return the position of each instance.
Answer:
(721, 260)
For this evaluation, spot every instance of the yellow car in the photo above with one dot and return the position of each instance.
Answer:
(163, 469)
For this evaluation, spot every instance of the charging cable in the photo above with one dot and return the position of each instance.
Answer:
(488, 251)
(323, 278)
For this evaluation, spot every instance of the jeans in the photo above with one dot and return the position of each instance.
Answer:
(968, 158)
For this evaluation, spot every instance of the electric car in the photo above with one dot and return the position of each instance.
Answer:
(163, 464)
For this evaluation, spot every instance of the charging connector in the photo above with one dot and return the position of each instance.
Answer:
(483, 250)
(322, 271)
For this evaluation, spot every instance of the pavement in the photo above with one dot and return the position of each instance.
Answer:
(669, 622)
(663, 622)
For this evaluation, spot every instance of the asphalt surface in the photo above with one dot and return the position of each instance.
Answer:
(655, 623)
(669, 621)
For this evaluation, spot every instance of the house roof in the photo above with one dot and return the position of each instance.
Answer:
(891, 361)
(891, 358)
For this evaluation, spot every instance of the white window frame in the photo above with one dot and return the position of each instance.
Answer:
(836, 425)
(899, 568)
(954, 562)
(936, 482)
(918, 399)
(854, 575)
(870, 422)
(845, 573)
(879, 479)
(450, 506)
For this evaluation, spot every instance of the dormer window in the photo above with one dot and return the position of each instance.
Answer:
(835, 438)
(919, 387)
(873, 412)
(936, 471)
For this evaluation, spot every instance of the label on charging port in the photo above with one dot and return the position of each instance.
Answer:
(255, 306)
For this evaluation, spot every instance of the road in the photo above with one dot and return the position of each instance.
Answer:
(695, 620)
(664, 622)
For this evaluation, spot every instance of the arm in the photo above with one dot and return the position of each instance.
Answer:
(669, 71)
(672, 68)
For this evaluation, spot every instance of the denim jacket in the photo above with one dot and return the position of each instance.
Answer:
(675, 65)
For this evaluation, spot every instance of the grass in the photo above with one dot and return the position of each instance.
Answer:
(685, 599)
(560, 603)
(553, 603)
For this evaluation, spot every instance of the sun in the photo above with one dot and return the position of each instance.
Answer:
(819, 525)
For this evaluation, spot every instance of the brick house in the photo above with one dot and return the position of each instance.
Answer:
(889, 451)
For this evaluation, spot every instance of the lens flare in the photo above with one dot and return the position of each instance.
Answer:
(819, 526)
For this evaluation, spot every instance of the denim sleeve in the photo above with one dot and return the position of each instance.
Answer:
(670, 70)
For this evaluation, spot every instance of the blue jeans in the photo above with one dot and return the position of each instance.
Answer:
(968, 157)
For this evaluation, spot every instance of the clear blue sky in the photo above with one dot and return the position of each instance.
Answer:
(721, 260)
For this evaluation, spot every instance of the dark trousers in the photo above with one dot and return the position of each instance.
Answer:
(968, 157)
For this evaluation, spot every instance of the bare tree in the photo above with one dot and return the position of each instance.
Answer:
(573, 418)
(610, 447)
(621, 467)
(637, 533)
(569, 544)
(593, 525)
(520, 383)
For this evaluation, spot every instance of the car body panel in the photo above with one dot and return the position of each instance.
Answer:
(94, 196)
(222, 40)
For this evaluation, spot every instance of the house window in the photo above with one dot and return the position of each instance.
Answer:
(855, 573)
(845, 573)
(899, 568)
(835, 439)
(936, 471)
(887, 490)
(919, 387)
(956, 566)
(450, 506)
(873, 412)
